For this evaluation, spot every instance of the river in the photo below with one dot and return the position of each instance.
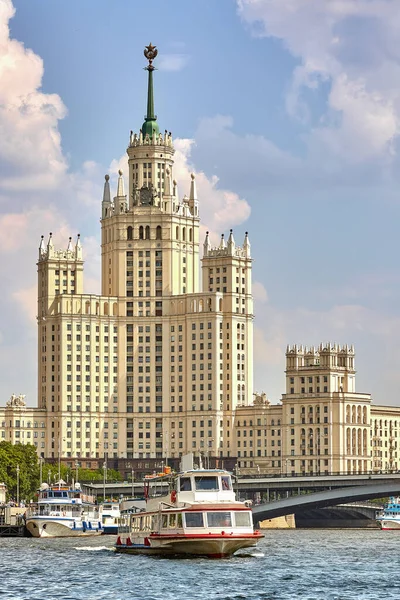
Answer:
(287, 564)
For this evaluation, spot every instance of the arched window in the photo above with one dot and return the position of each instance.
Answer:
(115, 309)
(177, 233)
(97, 308)
(147, 232)
(87, 307)
(209, 302)
(106, 308)
(141, 233)
(129, 233)
(190, 235)
(158, 232)
(220, 305)
(184, 234)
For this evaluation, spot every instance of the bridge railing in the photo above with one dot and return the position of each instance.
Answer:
(242, 474)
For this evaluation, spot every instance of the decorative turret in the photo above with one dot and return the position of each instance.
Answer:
(222, 245)
(246, 245)
(70, 247)
(120, 203)
(78, 247)
(42, 247)
(150, 127)
(231, 243)
(193, 203)
(50, 245)
(106, 206)
(206, 245)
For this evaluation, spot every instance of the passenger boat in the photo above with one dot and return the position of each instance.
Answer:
(110, 516)
(192, 513)
(63, 511)
(389, 518)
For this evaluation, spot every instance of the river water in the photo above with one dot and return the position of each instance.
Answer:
(287, 564)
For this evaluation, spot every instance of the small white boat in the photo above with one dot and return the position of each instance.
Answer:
(192, 513)
(62, 511)
(110, 517)
(389, 518)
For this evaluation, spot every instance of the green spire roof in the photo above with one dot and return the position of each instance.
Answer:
(150, 125)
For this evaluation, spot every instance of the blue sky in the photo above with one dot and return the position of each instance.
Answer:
(287, 110)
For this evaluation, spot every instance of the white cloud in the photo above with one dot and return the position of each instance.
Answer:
(352, 45)
(259, 292)
(172, 62)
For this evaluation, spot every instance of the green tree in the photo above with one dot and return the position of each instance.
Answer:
(19, 462)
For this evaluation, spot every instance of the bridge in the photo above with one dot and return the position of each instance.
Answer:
(279, 486)
(325, 498)
(263, 488)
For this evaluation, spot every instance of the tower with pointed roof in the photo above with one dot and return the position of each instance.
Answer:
(156, 364)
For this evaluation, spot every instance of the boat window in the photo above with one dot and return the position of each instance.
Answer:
(226, 482)
(179, 520)
(206, 483)
(219, 519)
(194, 519)
(185, 485)
(242, 519)
(172, 521)
(58, 494)
(165, 521)
(146, 523)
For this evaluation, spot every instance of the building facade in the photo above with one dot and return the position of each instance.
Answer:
(322, 425)
(161, 363)
(155, 366)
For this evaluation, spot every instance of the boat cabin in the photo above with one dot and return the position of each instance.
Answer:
(205, 485)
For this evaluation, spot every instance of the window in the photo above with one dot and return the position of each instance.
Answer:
(242, 519)
(219, 519)
(206, 483)
(194, 519)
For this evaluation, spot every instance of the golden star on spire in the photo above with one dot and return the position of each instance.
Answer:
(150, 52)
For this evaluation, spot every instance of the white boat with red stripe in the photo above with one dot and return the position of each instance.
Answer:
(191, 513)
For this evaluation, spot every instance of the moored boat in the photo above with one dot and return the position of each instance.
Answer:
(110, 516)
(63, 511)
(192, 513)
(389, 518)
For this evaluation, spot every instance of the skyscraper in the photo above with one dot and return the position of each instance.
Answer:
(155, 366)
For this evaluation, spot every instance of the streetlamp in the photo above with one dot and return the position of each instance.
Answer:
(76, 471)
(41, 460)
(104, 477)
(17, 485)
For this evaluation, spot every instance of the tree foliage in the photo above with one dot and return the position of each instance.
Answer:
(25, 458)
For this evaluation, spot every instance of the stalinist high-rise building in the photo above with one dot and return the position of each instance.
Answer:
(155, 366)
(161, 363)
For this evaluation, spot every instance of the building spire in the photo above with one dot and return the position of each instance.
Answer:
(207, 244)
(193, 191)
(231, 242)
(106, 193)
(120, 186)
(150, 125)
(78, 247)
(246, 245)
(42, 247)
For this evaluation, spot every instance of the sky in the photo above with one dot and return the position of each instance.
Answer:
(288, 111)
